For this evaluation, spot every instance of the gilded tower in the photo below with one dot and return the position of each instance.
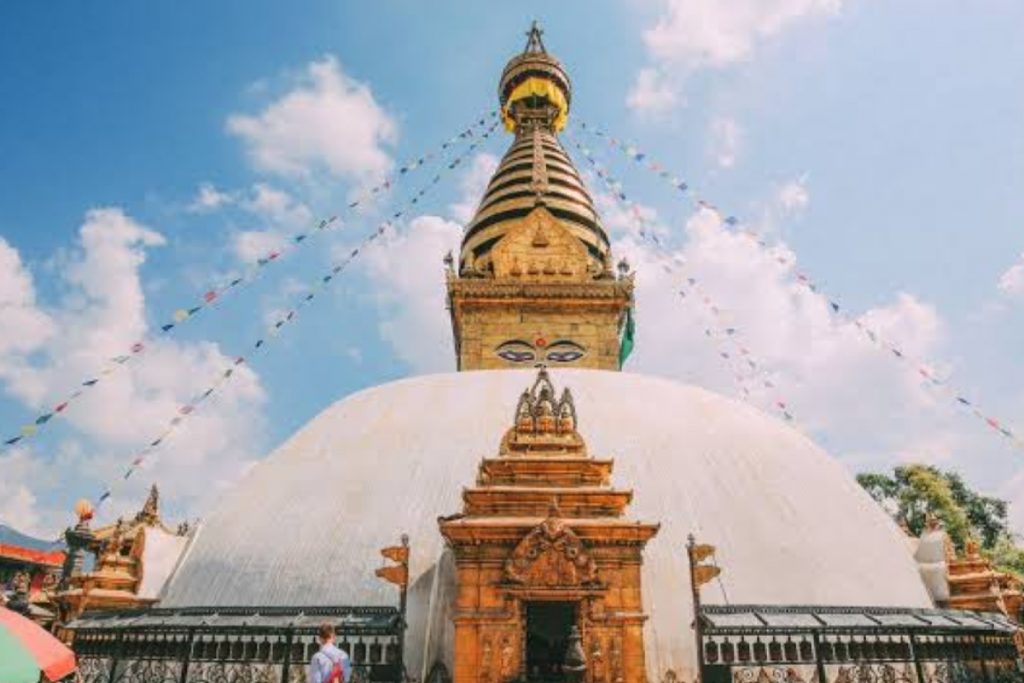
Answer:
(534, 281)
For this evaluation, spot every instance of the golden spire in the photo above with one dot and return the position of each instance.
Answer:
(534, 281)
(534, 94)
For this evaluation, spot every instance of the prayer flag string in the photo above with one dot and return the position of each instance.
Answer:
(212, 295)
(740, 357)
(186, 410)
(921, 368)
(741, 362)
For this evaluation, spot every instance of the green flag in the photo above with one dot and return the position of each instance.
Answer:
(626, 345)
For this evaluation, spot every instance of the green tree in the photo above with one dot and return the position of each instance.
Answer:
(1008, 556)
(986, 515)
(914, 491)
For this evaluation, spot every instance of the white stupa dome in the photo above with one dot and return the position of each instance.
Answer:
(305, 526)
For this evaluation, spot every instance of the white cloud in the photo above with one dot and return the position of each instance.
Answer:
(1012, 280)
(698, 34)
(408, 279)
(472, 186)
(250, 245)
(328, 122)
(208, 198)
(102, 304)
(101, 314)
(18, 505)
(279, 211)
(284, 215)
(837, 384)
(278, 206)
(794, 196)
(651, 93)
(23, 327)
(725, 139)
(1012, 490)
(621, 221)
(788, 202)
(712, 33)
(104, 271)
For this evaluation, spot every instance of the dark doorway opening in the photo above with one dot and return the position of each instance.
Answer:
(547, 637)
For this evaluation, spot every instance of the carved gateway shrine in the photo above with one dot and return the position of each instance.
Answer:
(132, 560)
(543, 545)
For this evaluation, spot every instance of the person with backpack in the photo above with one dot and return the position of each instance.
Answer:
(331, 664)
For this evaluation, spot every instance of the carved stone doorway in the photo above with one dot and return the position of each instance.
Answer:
(547, 637)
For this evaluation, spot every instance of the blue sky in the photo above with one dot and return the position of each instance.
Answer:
(879, 144)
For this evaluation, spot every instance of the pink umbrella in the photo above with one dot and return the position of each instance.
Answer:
(27, 649)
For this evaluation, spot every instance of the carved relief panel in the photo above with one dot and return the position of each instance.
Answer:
(541, 248)
(551, 556)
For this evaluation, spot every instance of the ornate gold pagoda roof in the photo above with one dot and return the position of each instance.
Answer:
(543, 464)
(534, 93)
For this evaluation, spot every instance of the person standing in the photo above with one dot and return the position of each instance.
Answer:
(331, 664)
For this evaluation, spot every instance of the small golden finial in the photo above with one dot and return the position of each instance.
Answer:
(150, 512)
(534, 42)
(545, 422)
(566, 413)
(84, 510)
(524, 413)
(544, 410)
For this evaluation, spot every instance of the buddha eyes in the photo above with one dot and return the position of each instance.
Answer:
(516, 355)
(564, 356)
(565, 352)
(562, 351)
(516, 351)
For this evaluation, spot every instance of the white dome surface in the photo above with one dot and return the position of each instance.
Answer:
(304, 527)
